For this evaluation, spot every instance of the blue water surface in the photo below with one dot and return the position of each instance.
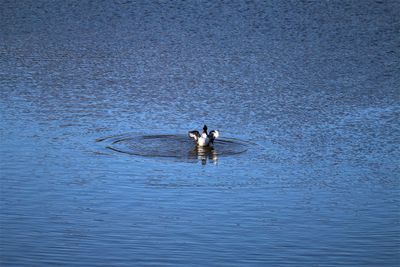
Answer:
(305, 95)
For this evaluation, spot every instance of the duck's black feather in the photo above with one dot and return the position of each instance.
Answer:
(211, 135)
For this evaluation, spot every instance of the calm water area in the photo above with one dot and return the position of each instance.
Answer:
(97, 97)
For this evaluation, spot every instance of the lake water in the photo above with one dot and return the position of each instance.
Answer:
(96, 98)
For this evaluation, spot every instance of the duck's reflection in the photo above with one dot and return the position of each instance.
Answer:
(204, 154)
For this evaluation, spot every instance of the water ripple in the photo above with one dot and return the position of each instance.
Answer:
(177, 146)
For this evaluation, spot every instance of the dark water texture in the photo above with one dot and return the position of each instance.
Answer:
(304, 93)
(179, 147)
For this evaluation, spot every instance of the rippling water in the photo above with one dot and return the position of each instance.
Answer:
(96, 99)
(178, 147)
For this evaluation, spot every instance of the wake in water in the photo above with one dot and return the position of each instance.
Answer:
(179, 147)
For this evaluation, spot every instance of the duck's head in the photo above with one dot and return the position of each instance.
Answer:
(205, 129)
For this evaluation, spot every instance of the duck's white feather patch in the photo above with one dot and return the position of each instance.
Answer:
(215, 134)
(194, 134)
(203, 140)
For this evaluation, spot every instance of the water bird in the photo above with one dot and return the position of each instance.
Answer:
(204, 139)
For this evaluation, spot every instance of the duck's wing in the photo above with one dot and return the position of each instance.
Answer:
(213, 135)
(194, 134)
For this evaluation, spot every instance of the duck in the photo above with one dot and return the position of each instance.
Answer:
(204, 139)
